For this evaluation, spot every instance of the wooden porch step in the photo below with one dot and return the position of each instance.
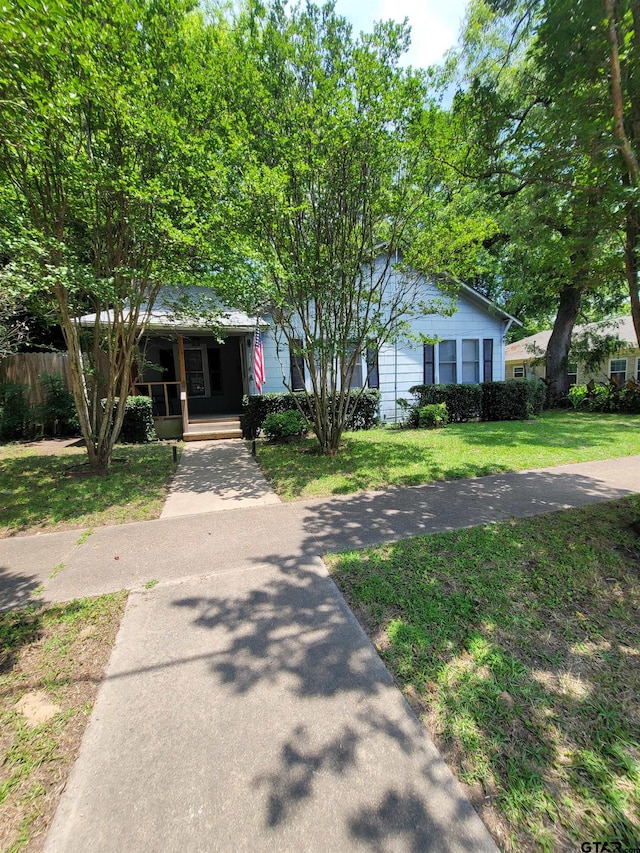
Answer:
(210, 430)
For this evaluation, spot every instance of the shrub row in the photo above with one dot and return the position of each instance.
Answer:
(606, 397)
(512, 401)
(490, 401)
(257, 407)
(463, 402)
(19, 420)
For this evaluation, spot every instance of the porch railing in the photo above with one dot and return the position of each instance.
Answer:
(165, 397)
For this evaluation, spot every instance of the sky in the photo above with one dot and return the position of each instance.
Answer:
(435, 24)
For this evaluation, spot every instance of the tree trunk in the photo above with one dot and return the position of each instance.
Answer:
(560, 342)
(632, 232)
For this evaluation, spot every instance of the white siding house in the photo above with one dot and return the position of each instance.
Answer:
(470, 347)
(197, 381)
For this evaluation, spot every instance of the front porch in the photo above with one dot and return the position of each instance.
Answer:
(196, 384)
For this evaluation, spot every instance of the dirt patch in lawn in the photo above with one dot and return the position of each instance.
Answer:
(50, 446)
(52, 661)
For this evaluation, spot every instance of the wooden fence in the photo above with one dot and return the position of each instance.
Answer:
(25, 368)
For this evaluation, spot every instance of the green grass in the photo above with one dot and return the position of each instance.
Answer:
(53, 492)
(519, 645)
(395, 457)
(57, 654)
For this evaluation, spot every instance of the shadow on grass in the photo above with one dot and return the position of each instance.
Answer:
(530, 660)
(40, 491)
(410, 457)
(364, 465)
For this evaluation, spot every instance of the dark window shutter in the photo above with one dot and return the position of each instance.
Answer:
(297, 367)
(429, 357)
(487, 358)
(373, 380)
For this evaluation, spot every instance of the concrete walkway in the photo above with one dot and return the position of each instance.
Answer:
(243, 707)
(214, 476)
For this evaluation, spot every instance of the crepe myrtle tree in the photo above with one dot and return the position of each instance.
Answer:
(96, 101)
(335, 173)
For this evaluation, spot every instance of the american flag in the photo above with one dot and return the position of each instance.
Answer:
(258, 362)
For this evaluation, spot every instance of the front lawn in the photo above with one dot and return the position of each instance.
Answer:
(518, 644)
(53, 490)
(51, 663)
(395, 457)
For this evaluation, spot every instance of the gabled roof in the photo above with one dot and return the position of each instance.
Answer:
(477, 298)
(536, 345)
(196, 308)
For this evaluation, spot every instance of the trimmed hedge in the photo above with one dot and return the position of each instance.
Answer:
(463, 402)
(257, 407)
(137, 424)
(511, 400)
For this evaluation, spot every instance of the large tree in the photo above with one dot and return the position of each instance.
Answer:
(538, 152)
(97, 105)
(332, 141)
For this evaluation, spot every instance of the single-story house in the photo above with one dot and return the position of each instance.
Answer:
(524, 359)
(197, 382)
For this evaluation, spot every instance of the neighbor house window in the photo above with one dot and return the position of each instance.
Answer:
(487, 359)
(572, 373)
(447, 362)
(373, 374)
(429, 376)
(518, 371)
(470, 361)
(296, 360)
(638, 370)
(618, 370)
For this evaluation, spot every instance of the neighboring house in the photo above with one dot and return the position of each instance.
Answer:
(197, 382)
(525, 358)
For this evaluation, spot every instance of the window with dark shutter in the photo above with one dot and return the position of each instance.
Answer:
(429, 363)
(297, 366)
(373, 375)
(487, 359)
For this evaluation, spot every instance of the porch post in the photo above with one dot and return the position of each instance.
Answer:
(184, 405)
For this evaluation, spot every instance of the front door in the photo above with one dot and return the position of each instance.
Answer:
(214, 378)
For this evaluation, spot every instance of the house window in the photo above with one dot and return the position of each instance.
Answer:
(638, 371)
(518, 371)
(429, 364)
(572, 373)
(618, 370)
(447, 362)
(296, 360)
(470, 361)
(195, 373)
(373, 374)
(487, 360)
